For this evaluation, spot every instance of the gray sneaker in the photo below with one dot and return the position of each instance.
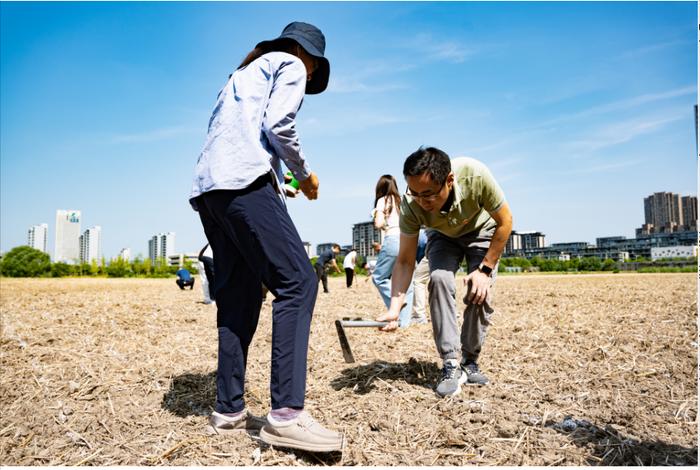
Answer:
(222, 424)
(452, 379)
(302, 432)
(474, 375)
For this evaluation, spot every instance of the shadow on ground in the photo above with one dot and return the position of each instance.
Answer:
(610, 447)
(195, 395)
(361, 379)
(191, 395)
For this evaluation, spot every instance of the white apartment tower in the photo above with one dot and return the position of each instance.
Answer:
(161, 246)
(67, 247)
(38, 236)
(91, 245)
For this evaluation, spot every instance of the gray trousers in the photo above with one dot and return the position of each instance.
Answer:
(445, 255)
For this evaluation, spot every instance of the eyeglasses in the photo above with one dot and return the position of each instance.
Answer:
(429, 197)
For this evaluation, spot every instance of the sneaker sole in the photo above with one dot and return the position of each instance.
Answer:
(478, 383)
(294, 444)
(210, 430)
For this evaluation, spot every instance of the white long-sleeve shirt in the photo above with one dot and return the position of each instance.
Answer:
(252, 126)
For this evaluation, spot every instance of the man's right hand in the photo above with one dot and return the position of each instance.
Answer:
(392, 318)
(310, 187)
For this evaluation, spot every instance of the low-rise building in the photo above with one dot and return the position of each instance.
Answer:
(661, 252)
(178, 259)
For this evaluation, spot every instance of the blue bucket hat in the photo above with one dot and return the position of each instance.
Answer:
(312, 40)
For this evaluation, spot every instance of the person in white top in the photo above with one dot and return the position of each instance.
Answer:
(386, 218)
(349, 267)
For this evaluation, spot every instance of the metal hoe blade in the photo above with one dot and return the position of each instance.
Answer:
(344, 345)
(343, 339)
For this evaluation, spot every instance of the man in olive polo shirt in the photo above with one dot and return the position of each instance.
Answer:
(466, 214)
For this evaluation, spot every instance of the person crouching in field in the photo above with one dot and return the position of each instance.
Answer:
(467, 211)
(237, 191)
(325, 261)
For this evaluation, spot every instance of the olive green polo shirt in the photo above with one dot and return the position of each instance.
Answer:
(476, 193)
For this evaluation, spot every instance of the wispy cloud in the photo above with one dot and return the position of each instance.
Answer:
(622, 132)
(620, 105)
(355, 85)
(153, 135)
(369, 78)
(352, 121)
(475, 151)
(602, 168)
(441, 50)
(651, 48)
(505, 163)
(639, 100)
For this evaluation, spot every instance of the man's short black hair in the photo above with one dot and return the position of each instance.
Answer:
(429, 160)
(335, 245)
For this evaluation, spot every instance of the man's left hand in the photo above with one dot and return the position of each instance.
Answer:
(481, 283)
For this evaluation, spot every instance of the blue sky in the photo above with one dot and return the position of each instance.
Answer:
(579, 109)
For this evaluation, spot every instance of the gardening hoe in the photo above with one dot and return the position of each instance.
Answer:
(340, 325)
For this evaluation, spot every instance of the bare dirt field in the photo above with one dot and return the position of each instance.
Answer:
(585, 370)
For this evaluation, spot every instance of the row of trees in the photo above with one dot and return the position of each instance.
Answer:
(584, 264)
(24, 261)
(596, 264)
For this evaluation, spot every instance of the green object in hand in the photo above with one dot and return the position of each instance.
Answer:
(294, 183)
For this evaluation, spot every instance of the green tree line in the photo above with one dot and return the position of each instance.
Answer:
(24, 261)
(589, 264)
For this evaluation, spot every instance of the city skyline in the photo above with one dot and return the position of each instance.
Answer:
(162, 245)
(576, 134)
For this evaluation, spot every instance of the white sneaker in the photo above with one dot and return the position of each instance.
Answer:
(302, 432)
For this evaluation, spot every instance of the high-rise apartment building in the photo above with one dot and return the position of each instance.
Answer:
(91, 245)
(67, 247)
(161, 246)
(667, 212)
(363, 235)
(37, 237)
(663, 211)
(689, 206)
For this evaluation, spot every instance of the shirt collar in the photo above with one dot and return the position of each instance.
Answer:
(456, 202)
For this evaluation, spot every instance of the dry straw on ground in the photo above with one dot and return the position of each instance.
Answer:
(585, 370)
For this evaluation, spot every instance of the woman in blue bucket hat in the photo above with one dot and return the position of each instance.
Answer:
(238, 192)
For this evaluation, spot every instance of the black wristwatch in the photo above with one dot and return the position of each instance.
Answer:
(485, 269)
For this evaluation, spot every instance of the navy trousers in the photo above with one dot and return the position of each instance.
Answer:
(254, 241)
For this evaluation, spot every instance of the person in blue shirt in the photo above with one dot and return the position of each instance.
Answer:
(237, 190)
(184, 279)
(325, 260)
